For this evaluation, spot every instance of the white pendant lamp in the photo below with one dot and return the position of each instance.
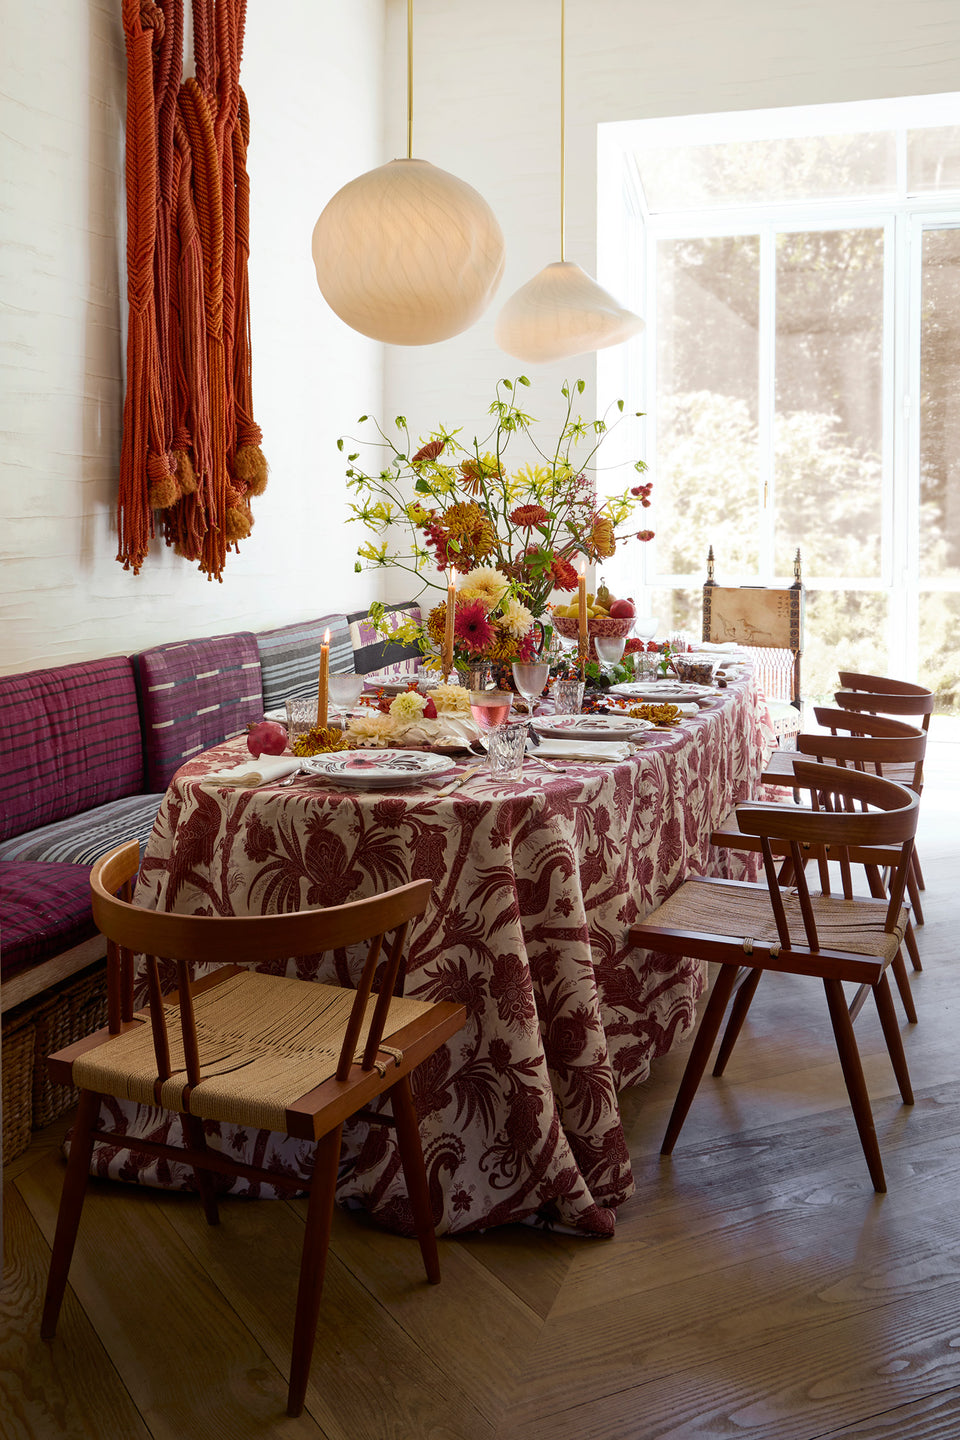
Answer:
(407, 253)
(562, 311)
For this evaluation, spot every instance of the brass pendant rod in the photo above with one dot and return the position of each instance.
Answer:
(563, 120)
(409, 79)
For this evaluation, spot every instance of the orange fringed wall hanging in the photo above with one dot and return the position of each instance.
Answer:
(191, 457)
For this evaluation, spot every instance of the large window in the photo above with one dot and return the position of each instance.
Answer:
(799, 272)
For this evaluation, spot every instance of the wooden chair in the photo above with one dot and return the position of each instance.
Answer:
(254, 1050)
(768, 622)
(889, 747)
(879, 695)
(749, 928)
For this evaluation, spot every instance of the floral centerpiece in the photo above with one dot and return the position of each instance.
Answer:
(439, 718)
(505, 537)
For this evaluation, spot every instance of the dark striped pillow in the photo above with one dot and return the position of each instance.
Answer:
(193, 695)
(290, 658)
(69, 740)
(372, 652)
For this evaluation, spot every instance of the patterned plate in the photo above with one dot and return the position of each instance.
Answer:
(662, 692)
(378, 769)
(590, 727)
(397, 684)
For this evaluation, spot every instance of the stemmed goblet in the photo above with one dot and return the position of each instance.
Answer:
(345, 691)
(530, 679)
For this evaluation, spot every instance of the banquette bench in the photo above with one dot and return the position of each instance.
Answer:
(86, 753)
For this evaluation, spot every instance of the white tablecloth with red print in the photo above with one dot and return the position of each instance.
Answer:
(535, 883)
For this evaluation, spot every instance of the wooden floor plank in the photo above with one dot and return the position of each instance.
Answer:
(68, 1389)
(368, 1381)
(191, 1366)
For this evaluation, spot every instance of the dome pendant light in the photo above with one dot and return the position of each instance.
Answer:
(407, 253)
(562, 311)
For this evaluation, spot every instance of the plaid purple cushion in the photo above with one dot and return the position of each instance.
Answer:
(290, 658)
(372, 652)
(44, 909)
(193, 695)
(69, 740)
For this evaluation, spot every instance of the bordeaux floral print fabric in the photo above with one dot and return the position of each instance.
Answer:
(535, 884)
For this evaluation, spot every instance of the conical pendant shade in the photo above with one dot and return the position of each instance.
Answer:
(562, 312)
(408, 254)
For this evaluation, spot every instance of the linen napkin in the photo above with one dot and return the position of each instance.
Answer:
(265, 771)
(601, 751)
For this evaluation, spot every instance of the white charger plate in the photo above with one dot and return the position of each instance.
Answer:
(378, 769)
(590, 727)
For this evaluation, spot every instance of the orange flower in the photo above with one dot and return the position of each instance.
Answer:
(564, 575)
(529, 515)
(430, 451)
(602, 541)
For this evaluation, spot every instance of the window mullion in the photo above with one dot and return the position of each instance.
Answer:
(766, 400)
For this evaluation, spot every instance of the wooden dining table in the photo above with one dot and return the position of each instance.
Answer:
(536, 882)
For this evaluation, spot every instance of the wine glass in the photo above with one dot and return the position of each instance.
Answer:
(490, 708)
(645, 627)
(345, 691)
(610, 648)
(530, 678)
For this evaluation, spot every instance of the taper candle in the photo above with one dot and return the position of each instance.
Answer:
(582, 602)
(324, 681)
(448, 625)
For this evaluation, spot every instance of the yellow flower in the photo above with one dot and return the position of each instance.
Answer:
(469, 524)
(602, 541)
(516, 618)
(485, 584)
(407, 708)
(451, 699)
(371, 728)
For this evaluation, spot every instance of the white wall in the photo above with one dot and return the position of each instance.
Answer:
(487, 108)
(313, 72)
(487, 82)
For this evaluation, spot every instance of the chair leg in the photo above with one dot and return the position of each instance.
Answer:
(316, 1241)
(891, 1033)
(415, 1174)
(913, 890)
(738, 1013)
(853, 1078)
(916, 865)
(903, 985)
(71, 1204)
(193, 1126)
(699, 1054)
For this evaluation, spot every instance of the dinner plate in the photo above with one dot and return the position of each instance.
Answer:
(375, 769)
(662, 692)
(397, 684)
(590, 727)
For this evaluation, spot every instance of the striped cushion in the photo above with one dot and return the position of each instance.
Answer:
(290, 658)
(84, 838)
(372, 652)
(195, 694)
(69, 740)
(44, 909)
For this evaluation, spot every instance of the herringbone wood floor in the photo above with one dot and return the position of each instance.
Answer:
(755, 1287)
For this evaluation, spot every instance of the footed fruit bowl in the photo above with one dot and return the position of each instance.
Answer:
(569, 626)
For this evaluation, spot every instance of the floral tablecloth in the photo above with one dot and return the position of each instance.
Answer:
(535, 883)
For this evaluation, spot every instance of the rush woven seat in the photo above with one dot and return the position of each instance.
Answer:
(749, 928)
(253, 1049)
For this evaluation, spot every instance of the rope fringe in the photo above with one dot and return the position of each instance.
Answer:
(190, 449)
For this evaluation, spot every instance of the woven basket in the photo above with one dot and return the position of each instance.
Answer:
(67, 1014)
(19, 1044)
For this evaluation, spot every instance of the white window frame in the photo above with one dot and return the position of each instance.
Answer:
(628, 236)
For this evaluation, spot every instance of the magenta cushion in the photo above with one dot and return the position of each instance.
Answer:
(44, 910)
(194, 694)
(69, 741)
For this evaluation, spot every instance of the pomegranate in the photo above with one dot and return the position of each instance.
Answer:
(622, 610)
(267, 737)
